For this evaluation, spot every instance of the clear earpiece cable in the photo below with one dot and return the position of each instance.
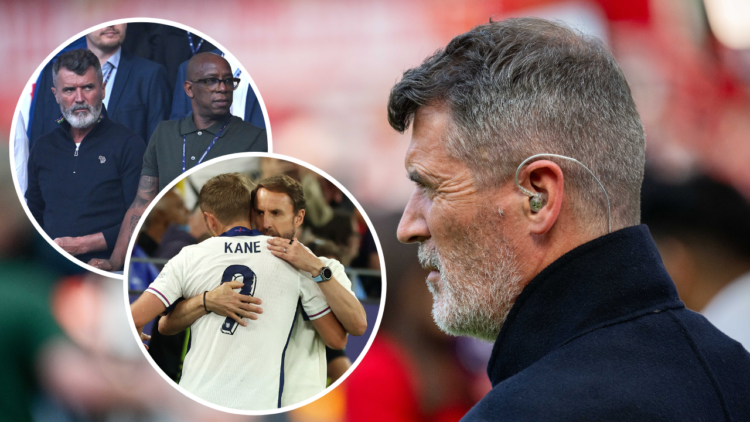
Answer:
(530, 194)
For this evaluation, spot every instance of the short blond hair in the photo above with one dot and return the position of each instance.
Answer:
(227, 196)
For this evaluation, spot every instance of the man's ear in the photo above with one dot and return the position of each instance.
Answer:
(210, 222)
(54, 92)
(545, 179)
(299, 218)
(188, 86)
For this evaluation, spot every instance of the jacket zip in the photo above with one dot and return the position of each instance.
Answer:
(75, 160)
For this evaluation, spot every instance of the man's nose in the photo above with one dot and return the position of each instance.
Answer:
(223, 86)
(79, 96)
(413, 227)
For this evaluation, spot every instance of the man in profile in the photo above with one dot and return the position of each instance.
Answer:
(527, 153)
(179, 145)
(83, 174)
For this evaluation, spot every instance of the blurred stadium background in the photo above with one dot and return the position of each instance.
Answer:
(324, 70)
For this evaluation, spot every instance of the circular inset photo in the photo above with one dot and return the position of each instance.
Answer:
(255, 283)
(112, 117)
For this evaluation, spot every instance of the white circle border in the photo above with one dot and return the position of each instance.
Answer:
(382, 274)
(14, 122)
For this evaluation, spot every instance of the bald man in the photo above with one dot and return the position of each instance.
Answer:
(178, 145)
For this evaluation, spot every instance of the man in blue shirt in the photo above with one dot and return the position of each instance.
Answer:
(83, 174)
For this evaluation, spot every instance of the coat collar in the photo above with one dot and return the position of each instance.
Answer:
(608, 280)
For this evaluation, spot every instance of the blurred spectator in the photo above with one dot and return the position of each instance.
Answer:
(244, 106)
(274, 166)
(178, 236)
(28, 333)
(102, 374)
(164, 44)
(137, 90)
(326, 248)
(168, 215)
(340, 231)
(367, 256)
(168, 352)
(79, 191)
(702, 230)
(169, 211)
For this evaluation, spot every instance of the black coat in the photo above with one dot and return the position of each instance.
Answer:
(600, 334)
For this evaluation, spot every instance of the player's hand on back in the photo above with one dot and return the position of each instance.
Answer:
(224, 301)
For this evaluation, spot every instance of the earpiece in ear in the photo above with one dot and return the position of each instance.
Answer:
(536, 202)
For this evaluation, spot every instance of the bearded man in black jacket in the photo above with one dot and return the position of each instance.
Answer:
(528, 154)
(84, 173)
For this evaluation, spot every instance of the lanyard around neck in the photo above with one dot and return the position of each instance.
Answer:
(184, 145)
(190, 40)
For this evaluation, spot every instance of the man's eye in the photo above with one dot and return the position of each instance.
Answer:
(421, 186)
(428, 191)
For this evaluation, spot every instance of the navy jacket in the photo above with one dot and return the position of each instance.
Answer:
(141, 99)
(74, 196)
(600, 334)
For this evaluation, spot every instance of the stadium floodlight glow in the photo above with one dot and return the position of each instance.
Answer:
(730, 22)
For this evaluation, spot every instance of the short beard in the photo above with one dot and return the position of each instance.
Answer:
(273, 233)
(82, 122)
(479, 278)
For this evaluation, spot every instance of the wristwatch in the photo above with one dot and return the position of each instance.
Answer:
(325, 275)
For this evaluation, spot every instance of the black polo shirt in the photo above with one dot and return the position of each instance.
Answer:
(163, 158)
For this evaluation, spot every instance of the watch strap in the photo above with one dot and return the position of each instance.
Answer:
(325, 275)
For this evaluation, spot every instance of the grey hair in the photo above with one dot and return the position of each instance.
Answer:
(526, 86)
(78, 62)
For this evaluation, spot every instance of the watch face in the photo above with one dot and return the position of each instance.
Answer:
(327, 273)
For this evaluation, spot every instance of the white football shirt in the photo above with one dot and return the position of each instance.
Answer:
(230, 365)
(306, 365)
